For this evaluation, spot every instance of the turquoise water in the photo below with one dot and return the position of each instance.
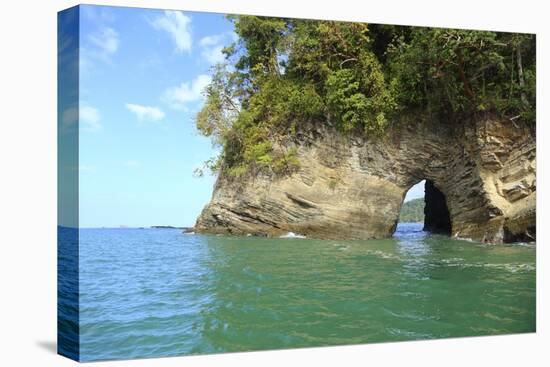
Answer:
(158, 292)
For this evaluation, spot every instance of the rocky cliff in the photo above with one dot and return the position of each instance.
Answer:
(481, 175)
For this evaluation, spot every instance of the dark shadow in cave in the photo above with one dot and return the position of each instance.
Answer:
(436, 213)
(425, 204)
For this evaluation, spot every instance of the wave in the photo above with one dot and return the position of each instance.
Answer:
(292, 235)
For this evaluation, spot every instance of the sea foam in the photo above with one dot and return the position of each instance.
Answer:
(292, 235)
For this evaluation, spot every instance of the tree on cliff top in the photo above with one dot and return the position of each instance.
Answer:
(281, 73)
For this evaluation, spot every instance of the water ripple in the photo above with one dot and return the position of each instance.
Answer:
(157, 292)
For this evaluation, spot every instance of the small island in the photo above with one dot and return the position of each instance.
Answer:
(412, 211)
(324, 126)
(166, 227)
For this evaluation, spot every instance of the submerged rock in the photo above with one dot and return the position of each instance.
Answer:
(349, 187)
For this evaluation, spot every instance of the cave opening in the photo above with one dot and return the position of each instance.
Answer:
(425, 203)
(436, 213)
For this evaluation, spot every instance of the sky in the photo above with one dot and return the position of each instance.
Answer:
(141, 74)
(415, 192)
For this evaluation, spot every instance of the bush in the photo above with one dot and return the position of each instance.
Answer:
(282, 74)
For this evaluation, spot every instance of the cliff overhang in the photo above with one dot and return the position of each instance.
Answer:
(482, 172)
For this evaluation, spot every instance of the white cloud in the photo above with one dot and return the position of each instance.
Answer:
(97, 14)
(106, 40)
(212, 47)
(88, 116)
(178, 25)
(100, 42)
(101, 45)
(178, 97)
(214, 55)
(211, 40)
(234, 36)
(145, 113)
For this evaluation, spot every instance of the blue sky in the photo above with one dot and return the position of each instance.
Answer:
(141, 76)
(142, 72)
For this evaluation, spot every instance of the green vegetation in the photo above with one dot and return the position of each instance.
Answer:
(283, 74)
(412, 211)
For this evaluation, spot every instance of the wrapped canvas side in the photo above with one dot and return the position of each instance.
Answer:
(67, 183)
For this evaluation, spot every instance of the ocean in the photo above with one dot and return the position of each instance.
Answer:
(159, 292)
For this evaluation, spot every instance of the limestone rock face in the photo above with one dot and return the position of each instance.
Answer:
(349, 187)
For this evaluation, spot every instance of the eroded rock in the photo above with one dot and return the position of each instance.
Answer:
(348, 187)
